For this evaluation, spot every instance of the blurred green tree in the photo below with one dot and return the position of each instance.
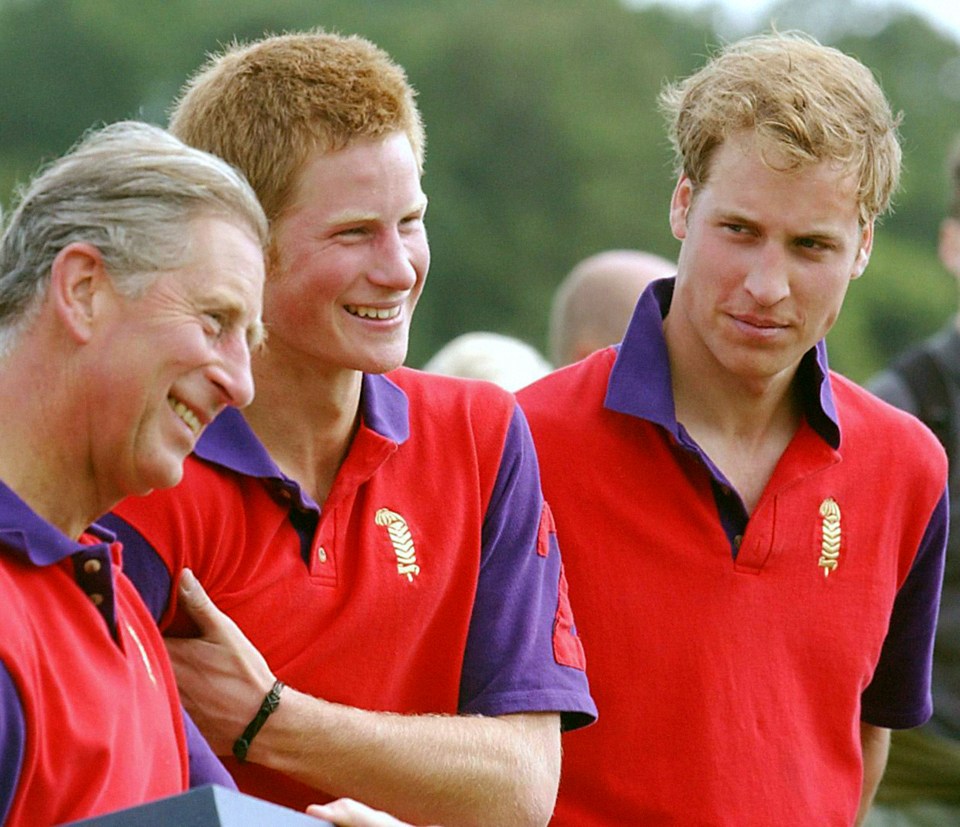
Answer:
(544, 140)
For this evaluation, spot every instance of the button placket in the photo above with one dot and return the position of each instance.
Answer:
(323, 561)
(93, 575)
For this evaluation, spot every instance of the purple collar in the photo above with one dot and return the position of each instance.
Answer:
(640, 385)
(230, 442)
(25, 534)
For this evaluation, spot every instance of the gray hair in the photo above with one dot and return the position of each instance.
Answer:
(131, 190)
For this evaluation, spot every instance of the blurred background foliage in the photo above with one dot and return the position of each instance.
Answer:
(544, 140)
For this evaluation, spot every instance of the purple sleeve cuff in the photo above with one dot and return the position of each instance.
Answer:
(899, 694)
(205, 767)
(12, 740)
(510, 664)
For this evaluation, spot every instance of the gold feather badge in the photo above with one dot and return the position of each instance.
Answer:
(830, 536)
(402, 542)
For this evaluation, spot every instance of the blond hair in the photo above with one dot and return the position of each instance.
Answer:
(808, 102)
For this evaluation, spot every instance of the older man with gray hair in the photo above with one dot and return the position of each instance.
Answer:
(131, 274)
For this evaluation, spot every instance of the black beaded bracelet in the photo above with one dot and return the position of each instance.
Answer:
(269, 705)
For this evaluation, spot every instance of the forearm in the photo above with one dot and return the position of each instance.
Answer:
(422, 768)
(875, 746)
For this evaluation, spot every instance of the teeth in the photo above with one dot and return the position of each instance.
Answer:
(373, 312)
(188, 416)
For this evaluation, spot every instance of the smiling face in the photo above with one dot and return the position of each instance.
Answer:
(349, 259)
(178, 354)
(765, 262)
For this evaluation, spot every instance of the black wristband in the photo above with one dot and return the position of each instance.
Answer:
(269, 705)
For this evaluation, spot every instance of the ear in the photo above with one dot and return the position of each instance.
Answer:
(949, 245)
(863, 253)
(679, 207)
(77, 276)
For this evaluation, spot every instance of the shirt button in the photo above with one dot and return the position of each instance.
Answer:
(322, 554)
(96, 598)
(91, 566)
(737, 540)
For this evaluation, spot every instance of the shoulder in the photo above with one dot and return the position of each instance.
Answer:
(586, 378)
(876, 425)
(204, 486)
(449, 396)
(570, 395)
(855, 401)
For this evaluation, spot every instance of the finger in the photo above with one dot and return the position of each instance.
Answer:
(346, 812)
(194, 598)
(222, 650)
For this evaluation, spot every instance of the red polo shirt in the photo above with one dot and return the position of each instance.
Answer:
(90, 719)
(732, 659)
(429, 582)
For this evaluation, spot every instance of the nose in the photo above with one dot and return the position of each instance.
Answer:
(399, 261)
(232, 373)
(768, 278)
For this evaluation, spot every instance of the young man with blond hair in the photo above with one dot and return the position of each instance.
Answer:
(379, 538)
(756, 560)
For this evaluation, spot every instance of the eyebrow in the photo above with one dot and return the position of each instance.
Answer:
(350, 216)
(815, 233)
(733, 216)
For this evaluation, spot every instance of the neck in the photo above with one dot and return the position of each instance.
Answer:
(743, 427)
(306, 421)
(744, 442)
(44, 457)
(741, 412)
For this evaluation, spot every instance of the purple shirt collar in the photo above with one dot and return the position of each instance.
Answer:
(25, 534)
(640, 385)
(230, 442)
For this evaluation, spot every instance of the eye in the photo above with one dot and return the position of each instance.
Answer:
(813, 244)
(213, 324)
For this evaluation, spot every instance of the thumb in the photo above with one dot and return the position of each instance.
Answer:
(194, 598)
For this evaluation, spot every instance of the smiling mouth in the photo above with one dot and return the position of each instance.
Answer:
(190, 419)
(378, 313)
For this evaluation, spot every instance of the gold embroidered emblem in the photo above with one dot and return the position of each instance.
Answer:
(830, 536)
(143, 654)
(402, 541)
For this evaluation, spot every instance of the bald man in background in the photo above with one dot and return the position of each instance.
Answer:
(594, 303)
